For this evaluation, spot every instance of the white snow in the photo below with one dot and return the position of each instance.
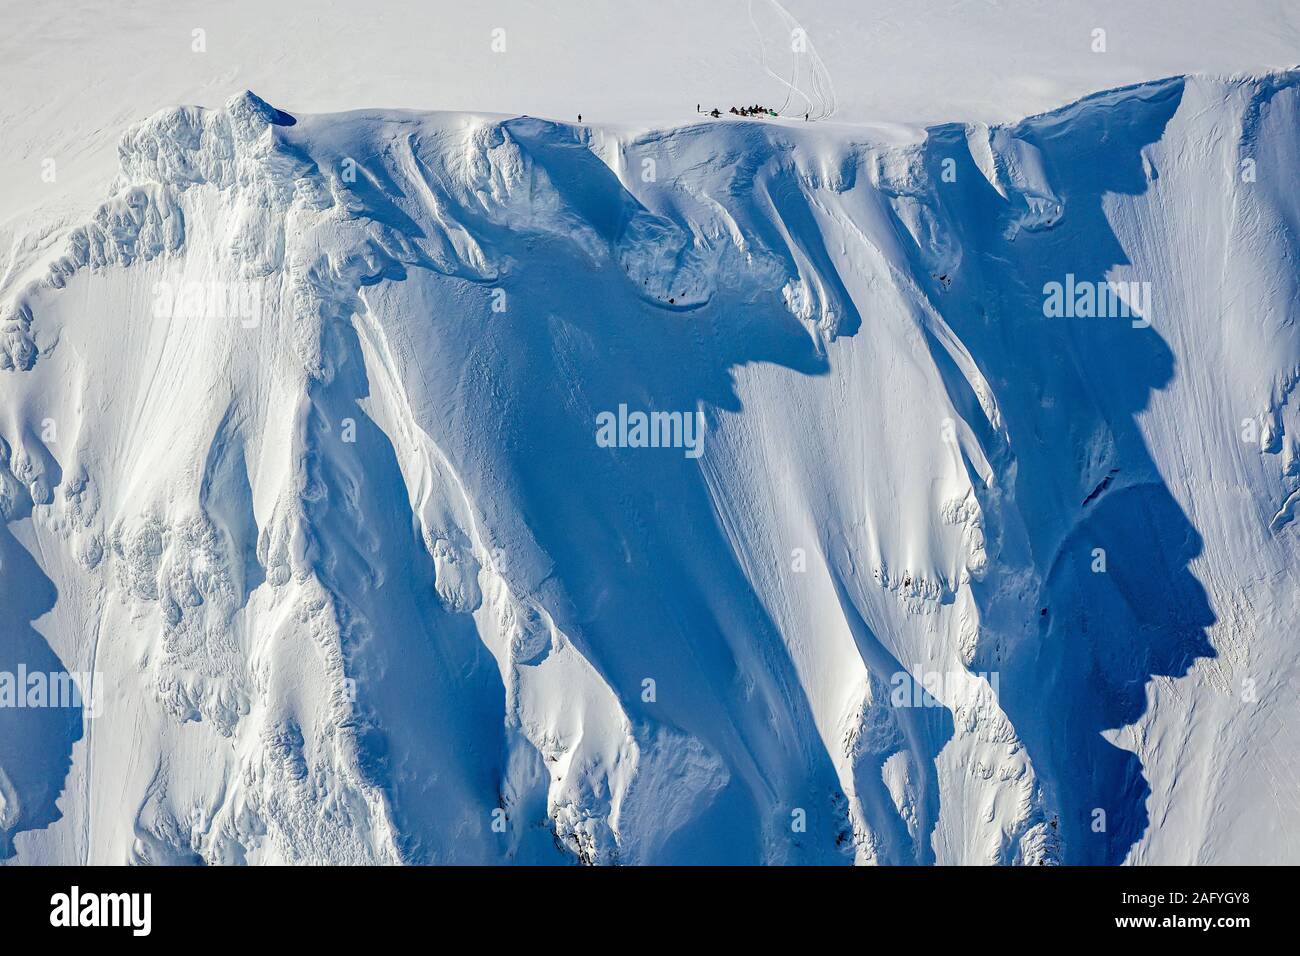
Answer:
(299, 392)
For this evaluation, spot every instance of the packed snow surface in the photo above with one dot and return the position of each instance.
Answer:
(465, 487)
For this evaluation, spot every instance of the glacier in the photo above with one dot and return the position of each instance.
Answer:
(300, 472)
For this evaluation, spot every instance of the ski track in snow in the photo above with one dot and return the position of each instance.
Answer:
(820, 99)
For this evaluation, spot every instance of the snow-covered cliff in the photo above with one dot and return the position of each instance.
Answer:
(984, 554)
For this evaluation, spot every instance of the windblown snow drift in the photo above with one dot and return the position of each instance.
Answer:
(987, 555)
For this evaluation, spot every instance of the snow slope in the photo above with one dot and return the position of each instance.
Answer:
(332, 528)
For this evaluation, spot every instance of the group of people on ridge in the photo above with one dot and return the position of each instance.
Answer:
(754, 110)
